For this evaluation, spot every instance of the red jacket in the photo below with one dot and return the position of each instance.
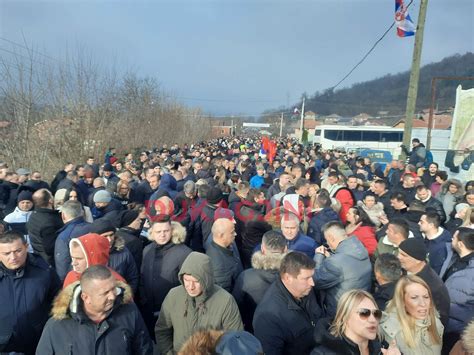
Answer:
(345, 198)
(366, 235)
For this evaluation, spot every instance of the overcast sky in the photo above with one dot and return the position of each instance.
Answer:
(238, 56)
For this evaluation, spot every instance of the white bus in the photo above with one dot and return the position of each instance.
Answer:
(359, 137)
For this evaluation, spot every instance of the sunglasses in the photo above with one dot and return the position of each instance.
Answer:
(364, 313)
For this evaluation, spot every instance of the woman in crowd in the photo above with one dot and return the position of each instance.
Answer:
(354, 329)
(440, 179)
(412, 320)
(373, 209)
(73, 194)
(360, 226)
(450, 195)
(123, 193)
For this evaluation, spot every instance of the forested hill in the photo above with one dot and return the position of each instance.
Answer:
(389, 93)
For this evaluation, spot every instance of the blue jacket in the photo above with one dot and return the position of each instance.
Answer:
(72, 229)
(257, 181)
(460, 286)
(348, 268)
(437, 250)
(318, 221)
(303, 243)
(26, 296)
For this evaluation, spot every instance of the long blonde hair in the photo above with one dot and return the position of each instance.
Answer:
(348, 301)
(407, 322)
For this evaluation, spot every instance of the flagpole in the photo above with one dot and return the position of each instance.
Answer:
(302, 119)
(281, 124)
(414, 75)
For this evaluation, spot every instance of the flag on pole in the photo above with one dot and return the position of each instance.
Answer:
(405, 26)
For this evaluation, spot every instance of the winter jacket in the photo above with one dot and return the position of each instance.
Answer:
(392, 329)
(182, 315)
(225, 265)
(142, 193)
(26, 295)
(43, 228)
(301, 243)
(347, 201)
(460, 285)
(438, 290)
(328, 344)
(318, 221)
(435, 205)
(62, 258)
(159, 272)
(70, 331)
(251, 237)
(366, 235)
(121, 260)
(245, 213)
(111, 182)
(252, 284)
(111, 212)
(374, 213)
(348, 268)
(168, 183)
(200, 227)
(384, 293)
(257, 181)
(274, 189)
(97, 252)
(417, 156)
(17, 221)
(134, 243)
(449, 202)
(437, 249)
(283, 325)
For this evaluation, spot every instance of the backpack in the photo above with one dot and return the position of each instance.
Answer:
(428, 159)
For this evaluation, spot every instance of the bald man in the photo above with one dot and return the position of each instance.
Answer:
(225, 265)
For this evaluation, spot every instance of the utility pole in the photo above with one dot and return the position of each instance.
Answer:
(414, 75)
(281, 124)
(302, 120)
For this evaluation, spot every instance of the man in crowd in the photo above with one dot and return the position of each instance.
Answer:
(387, 270)
(99, 318)
(423, 194)
(348, 266)
(412, 255)
(296, 241)
(44, 225)
(197, 304)
(27, 288)
(285, 318)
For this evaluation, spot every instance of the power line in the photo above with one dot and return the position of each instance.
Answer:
(23, 56)
(29, 49)
(367, 54)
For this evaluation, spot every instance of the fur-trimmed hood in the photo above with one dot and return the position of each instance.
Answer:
(67, 301)
(267, 262)
(119, 243)
(455, 182)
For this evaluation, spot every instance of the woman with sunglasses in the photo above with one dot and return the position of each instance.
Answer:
(412, 320)
(354, 330)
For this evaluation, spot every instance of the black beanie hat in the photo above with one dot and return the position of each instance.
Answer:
(214, 196)
(415, 247)
(128, 217)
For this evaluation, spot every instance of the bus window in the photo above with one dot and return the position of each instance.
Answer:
(354, 136)
(390, 137)
(333, 134)
(371, 136)
(317, 132)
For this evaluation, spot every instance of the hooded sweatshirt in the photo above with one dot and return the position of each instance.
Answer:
(96, 250)
(182, 315)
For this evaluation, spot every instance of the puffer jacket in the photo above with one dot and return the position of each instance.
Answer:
(26, 295)
(348, 268)
(17, 220)
(460, 286)
(374, 213)
(69, 330)
(252, 284)
(366, 235)
(182, 315)
(391, 329)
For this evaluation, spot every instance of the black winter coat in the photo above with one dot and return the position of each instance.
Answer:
(26, 296)
(284, 326)
(327, 344)
(43, 228)
(71, 332)
(121, 260)
(134, 243)
(225, 265)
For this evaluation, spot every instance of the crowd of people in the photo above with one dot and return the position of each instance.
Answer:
(223, 248)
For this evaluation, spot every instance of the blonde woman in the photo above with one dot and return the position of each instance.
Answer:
(412, 320)
(354, 330)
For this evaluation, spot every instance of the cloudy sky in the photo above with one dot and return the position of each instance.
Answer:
(237, 56)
